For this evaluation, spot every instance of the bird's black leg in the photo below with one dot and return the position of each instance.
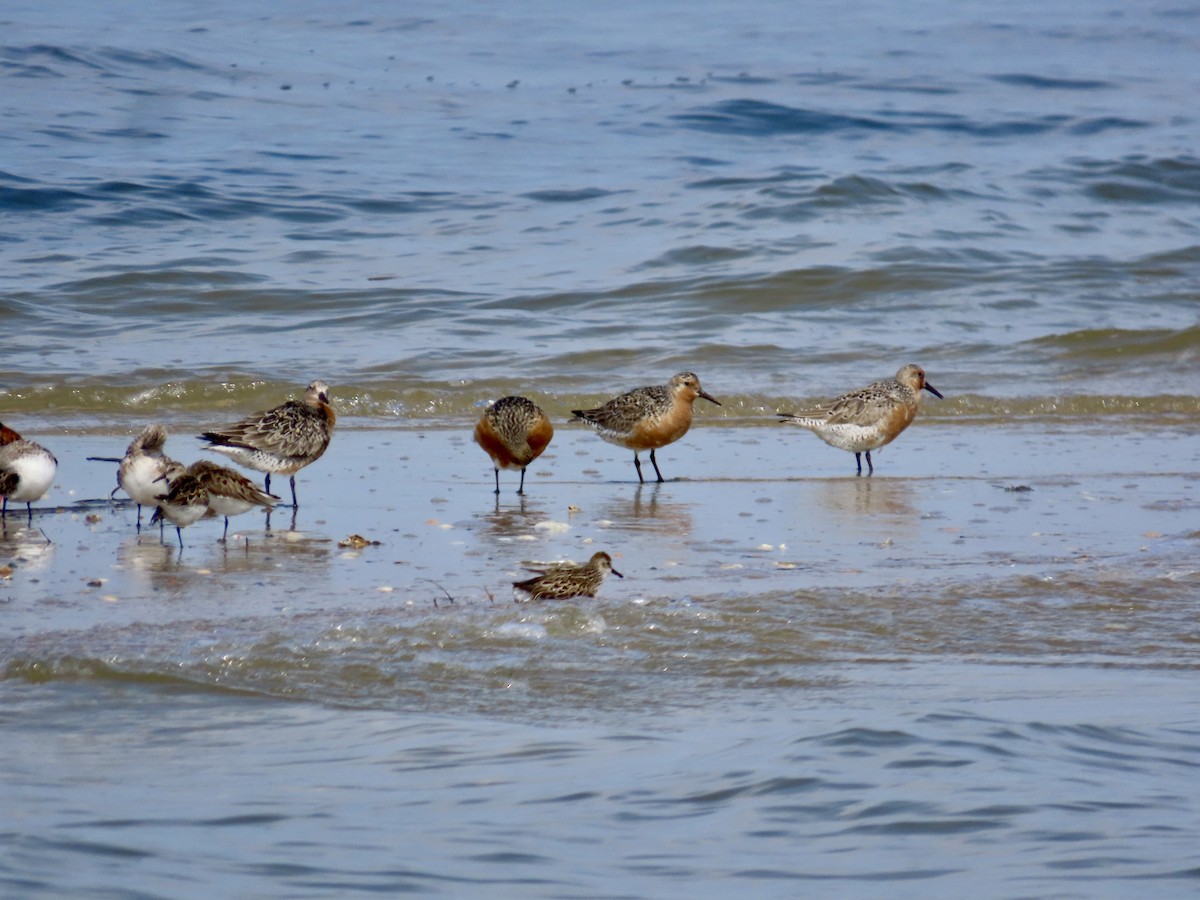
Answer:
(637, 464)
(521, 489)
(295, 502)
(268, 485)
(656, 472)
(870, 465)
(858, 459)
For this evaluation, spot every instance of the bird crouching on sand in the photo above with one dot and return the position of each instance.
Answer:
(567, 580)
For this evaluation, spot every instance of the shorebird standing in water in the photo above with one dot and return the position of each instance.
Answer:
(513, 431)
(186, 502)
(230, 493)
(564, 581)
(145, 473)
(280, 441)
(648, 417)
(868, 418)
(26, 471)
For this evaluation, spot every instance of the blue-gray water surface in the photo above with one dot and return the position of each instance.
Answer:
(973, 674)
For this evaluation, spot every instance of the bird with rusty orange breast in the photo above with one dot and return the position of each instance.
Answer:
(868, 418)
(648, 418)
(513, 431)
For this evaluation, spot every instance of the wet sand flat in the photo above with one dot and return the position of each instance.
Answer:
(747, 511)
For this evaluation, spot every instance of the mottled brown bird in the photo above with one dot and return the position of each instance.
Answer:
(186, 502)
(566, 580)
(513, 431)
(230, 493)
(280, 441)
(647, 418)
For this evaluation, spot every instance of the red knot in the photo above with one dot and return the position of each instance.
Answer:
(868, 418)
(513, 431)
(566, 580)
(648, 418)
(280, 441)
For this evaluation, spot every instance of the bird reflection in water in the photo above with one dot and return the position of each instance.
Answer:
(877, 498)
(647, 512)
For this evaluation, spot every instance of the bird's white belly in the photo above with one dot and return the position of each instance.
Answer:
(143, 481)
(35, 474)
(855, 438)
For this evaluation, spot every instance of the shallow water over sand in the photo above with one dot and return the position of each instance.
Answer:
(801, 677)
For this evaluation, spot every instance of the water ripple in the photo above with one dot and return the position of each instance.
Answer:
(761, 119)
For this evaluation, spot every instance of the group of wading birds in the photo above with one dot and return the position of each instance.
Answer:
(513, 431)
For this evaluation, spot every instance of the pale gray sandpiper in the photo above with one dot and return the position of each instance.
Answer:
(564, 581)
(648, 418)
(230, 493)
(145, 472)
(513, 431)
(280, 441)
(186, 502)
(26, 470)
(868, 418)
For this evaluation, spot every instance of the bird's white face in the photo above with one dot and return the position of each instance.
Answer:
(318, 390)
